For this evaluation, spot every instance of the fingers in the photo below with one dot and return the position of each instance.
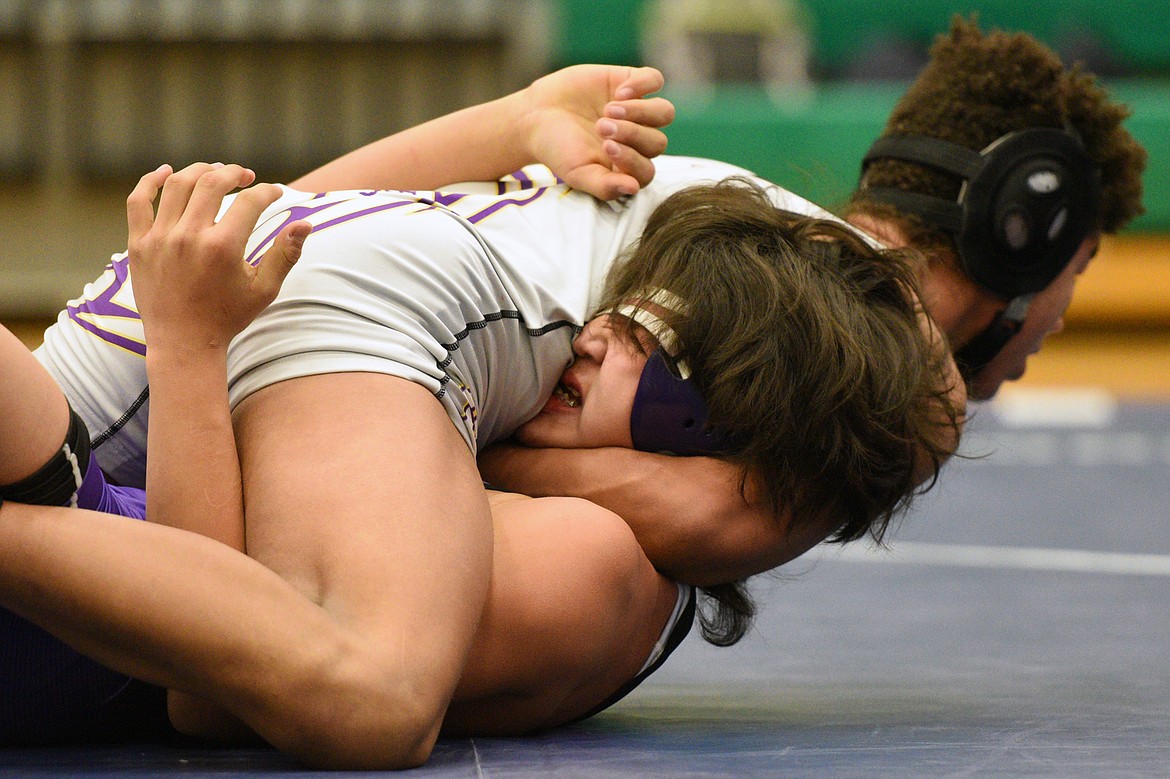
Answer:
(632, 138)
(647, 141)
(630, 103)
(602, 182)
(195, 196)
(631, 147)
(180, 188)
(242, 215)
(650, 112)
(211, 188)
(177, 191)
(140, 203)
(639, 83)
(190, 203)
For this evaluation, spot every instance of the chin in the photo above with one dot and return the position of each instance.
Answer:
(542, 433)
(528, 433)
(984, 390)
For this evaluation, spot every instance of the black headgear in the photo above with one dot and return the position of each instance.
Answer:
(1027, 203)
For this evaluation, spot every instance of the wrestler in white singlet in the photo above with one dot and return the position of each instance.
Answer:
(475, 292)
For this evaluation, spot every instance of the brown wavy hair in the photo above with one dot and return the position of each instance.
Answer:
(978, 87)
(808, 345)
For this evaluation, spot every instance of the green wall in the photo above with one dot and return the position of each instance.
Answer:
(814, 146)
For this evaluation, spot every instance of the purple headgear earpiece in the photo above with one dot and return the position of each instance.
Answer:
(669, 413)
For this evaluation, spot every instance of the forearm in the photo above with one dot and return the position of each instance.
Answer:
(193, 474)
(33, 415)
(688, 513)
(189, 418)
(594, 126)
(480, 143)
(169, 607)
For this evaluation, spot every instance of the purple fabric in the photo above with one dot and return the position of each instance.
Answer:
(49, 692)
(99, 495)
(670, 415)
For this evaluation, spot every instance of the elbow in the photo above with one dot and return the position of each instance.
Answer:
(337, 745)
(350, 713)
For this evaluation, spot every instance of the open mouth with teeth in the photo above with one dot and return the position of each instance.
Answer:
(568, 395)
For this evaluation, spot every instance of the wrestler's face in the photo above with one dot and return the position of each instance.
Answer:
(592, 403)
(1045, 316)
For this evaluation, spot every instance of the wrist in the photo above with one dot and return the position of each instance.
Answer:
(186, 356)
(522, 112)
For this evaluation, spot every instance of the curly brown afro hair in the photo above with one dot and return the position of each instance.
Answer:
(978, 87)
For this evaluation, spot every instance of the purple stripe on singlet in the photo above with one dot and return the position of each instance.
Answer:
(447, 198)
(303, 212)
(294, 213)
(373, 210)
(522, 177)
(499, 204)
(104, 306)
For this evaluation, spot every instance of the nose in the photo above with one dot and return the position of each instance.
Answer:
(590, 343)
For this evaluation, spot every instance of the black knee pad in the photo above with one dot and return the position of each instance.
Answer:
(56, 483)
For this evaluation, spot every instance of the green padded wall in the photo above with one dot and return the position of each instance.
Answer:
(1134, 30)
(814, 146)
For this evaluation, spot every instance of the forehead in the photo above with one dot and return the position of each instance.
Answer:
(641, 326)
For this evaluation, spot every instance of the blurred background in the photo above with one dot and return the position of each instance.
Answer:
(93, 93)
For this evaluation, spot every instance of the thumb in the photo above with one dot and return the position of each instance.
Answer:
(281, 257)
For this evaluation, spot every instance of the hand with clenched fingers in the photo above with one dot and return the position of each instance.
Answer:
(191, 283)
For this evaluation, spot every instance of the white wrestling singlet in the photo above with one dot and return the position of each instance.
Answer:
(475, 292)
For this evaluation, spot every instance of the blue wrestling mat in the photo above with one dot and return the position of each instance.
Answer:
(1017, 626)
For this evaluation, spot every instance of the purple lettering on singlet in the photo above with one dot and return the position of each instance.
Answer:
(292, 214)
(87, 313)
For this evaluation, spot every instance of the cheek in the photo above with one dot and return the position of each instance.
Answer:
(609, 422)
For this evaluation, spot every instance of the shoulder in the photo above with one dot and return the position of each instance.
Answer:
(584, 558)
(560, 522)
(574, 611)
(674, 173)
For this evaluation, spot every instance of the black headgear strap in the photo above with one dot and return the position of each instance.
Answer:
(1027, 202)
(980, 350)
